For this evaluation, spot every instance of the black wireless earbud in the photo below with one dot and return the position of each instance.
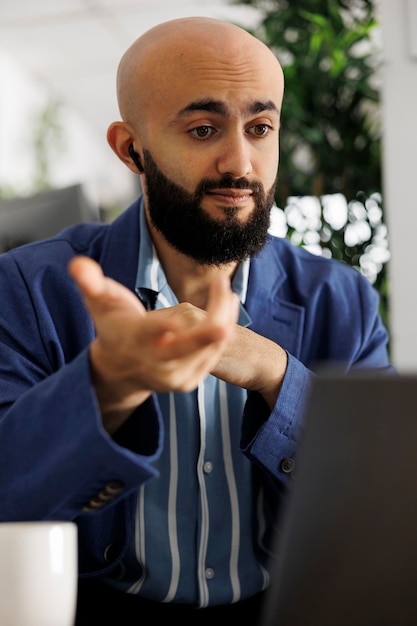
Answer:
(136, 158)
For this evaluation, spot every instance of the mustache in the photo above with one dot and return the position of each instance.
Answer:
(226, 182)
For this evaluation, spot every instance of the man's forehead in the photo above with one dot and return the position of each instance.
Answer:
(247, 88)
(168, 75)
(207, 66)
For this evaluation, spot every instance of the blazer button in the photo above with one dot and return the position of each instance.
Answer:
(97, 502)
(92, 505)
(113, 487)
(287, 465)
(109, 491)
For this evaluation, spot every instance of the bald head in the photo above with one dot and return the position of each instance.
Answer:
(189, 49)
(200, 101)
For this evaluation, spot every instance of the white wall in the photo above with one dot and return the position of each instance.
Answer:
(82, 158)
(399, 31)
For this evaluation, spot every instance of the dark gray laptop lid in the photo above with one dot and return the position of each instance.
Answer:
(347, 555)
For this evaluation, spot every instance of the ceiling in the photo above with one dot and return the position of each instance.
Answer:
(74, 46)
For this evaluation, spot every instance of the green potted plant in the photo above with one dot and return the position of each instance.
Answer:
(330, 134)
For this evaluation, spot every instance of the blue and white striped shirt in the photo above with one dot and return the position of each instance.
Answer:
(200, 524)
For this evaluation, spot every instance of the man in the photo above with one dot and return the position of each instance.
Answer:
(155, 392)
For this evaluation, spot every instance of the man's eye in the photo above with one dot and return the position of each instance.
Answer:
(202, 132)
(260, 130)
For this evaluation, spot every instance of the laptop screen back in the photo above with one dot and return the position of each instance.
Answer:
(347, 555)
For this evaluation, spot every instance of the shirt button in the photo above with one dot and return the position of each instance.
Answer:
(287, 465)
(208, 467)
(111, 552)
(209, 573)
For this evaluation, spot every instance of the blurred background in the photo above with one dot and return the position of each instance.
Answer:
(58, 62)
(348, 139)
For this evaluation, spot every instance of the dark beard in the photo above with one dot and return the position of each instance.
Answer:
(178, 216)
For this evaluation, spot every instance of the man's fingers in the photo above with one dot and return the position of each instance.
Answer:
(102, 294)
(218, 325)
(116, 310)
(223, 305)
(88, 275)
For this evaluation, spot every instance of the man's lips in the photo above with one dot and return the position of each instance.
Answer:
(230, 196)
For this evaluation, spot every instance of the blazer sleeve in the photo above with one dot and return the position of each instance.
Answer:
(341, 327)
(56, 459)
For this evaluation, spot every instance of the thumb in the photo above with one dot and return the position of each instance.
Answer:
(102, 294)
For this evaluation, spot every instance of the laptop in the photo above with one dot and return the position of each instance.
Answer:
(347, 554)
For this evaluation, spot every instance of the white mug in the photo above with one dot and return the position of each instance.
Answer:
(38, 573)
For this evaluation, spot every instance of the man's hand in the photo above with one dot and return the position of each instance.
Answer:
(136, 352)
(249, 360)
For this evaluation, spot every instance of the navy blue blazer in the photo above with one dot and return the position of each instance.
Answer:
(57, 461)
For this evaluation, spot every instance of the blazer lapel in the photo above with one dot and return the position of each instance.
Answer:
(273, 315)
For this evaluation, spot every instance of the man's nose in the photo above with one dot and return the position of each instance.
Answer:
(235, 156)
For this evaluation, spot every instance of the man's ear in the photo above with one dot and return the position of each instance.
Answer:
(120, 138)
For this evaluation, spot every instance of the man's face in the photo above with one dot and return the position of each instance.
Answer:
(180, 217)
(206, 125)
